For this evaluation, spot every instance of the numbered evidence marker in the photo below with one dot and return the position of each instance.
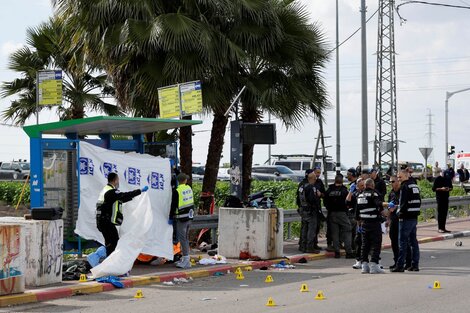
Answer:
(304, 288)
(270, 302)
(320, 295)
(269, 279)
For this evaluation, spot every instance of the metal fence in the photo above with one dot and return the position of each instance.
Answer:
(290, 216)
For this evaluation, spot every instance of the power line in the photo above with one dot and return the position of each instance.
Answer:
(403, 20)
(354, 33)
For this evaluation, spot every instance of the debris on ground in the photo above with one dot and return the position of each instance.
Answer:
(216, 259)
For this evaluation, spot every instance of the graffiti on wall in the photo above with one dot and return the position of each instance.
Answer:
(51, 245)
(10, 275)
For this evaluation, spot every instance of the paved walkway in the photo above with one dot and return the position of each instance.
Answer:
(147, 274)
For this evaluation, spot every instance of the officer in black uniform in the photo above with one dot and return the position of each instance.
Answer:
(308, 202)
(442, 186)
(340, 227)
(380, 185)
(109, 210)
(320, 186)
(393, 199)
(369, 216)
(408, 212)
(355, 190)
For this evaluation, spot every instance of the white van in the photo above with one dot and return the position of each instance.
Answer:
(302, 163)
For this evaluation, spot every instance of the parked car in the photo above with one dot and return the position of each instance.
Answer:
(15, 170)
(198, 173)
(274, 172)
(224, 174)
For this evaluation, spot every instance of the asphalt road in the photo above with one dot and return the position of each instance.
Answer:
(345, 289)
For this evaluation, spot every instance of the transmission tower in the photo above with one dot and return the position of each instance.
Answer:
(386, 141)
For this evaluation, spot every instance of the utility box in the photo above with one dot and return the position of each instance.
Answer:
(251, 233)
(12, 258)
(42, 249)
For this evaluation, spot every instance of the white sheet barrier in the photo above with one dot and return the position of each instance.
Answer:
(145, 228)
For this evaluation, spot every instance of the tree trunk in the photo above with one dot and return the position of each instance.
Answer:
(186, 150)
(214, 154)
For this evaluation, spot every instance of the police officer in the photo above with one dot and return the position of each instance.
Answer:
(369, 216)
(393, 199)
(380, 185)
(408, 212)
(320, 186)
(183, 211)
(442, 186)
(309, 202)
(356, 233)
(109, 210)
(340, 227)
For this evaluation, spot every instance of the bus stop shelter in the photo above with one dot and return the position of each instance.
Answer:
(55, 159)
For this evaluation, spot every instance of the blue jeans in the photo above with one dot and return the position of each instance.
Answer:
(407, 236)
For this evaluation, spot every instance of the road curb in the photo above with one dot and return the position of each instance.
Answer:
(93, 287)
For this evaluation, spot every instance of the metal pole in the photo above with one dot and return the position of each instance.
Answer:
(269, 146)
(37, 97)
(338, 120)
(448, 95)
(365, 141)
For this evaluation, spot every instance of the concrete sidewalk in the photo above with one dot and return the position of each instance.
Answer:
(147, 274)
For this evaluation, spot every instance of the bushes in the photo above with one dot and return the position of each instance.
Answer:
(10, 192)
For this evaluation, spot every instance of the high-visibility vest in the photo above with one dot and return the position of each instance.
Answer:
(185, 202)
(116, 207)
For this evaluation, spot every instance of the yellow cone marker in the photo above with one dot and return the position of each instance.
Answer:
(238, 270)
(304, 288)
(240, 276)
(320, 295)
(199, 257)
(82, 278)
(139, 294)
(269, 279)
(270, 302)
(248, 268)
(193, 262)
(437, 285)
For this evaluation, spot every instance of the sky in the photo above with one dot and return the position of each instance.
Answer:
(432, 58)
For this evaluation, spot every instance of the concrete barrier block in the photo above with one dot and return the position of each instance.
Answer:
(12, 260)
(251, 233)
(43, 247)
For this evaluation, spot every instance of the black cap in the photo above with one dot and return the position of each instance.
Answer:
(352, 171)
(308, 172)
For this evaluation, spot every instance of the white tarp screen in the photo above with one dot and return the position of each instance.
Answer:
(145, 228)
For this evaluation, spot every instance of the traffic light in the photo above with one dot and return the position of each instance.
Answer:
(451, 150)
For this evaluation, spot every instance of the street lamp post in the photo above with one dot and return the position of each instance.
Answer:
(448, 96)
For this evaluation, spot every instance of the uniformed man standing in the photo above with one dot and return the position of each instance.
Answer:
(340, 227)
(309, 203)
(408, 212)
(369, 216)
(183, 212)
(109, 210)
(393, 200)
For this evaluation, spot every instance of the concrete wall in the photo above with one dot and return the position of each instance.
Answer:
(43, 250)
(12, 260)
(253, 233)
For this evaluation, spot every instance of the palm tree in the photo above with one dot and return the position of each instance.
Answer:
(144, 45)
(46, 49)
(148, 44)
(282, 76)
